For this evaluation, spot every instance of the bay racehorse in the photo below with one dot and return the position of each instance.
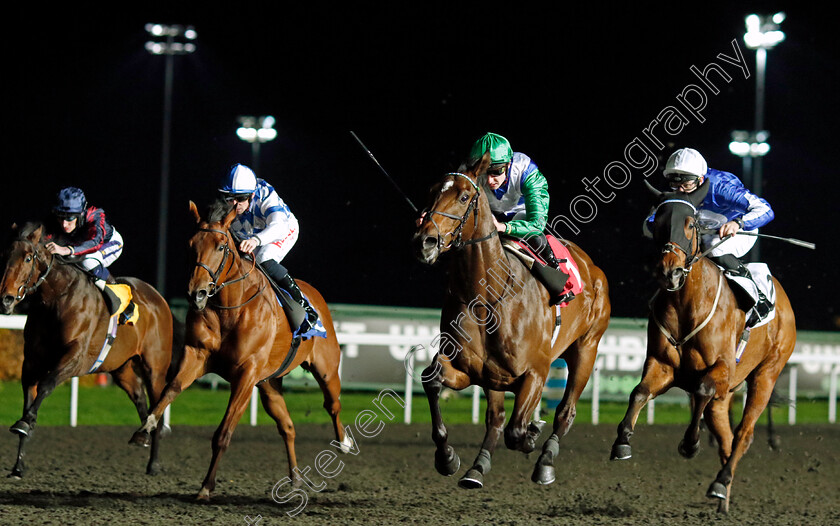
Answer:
(237, 329)
(694, 327)
(497, 327)
(66, 329)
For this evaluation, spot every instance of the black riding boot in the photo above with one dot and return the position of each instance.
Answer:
(733, 266)
(280, 275)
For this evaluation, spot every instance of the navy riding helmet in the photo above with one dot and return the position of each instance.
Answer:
(71, 202)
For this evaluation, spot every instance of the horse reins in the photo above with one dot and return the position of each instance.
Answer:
(214, 276)
(456, 234)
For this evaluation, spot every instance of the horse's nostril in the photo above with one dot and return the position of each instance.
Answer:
(429, 242)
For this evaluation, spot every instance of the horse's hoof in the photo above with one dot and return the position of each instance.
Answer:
(141, 438)
(473, 479)
(16, 474)
(543, 474)
(153, 469)
(688, 451)
(775, 443)
(621, 452)
(716, 491)
(447, 461)
(21, 428)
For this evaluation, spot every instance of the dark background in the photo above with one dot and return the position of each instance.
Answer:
(418, 83)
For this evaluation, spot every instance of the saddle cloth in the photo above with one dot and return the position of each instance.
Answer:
(764, 280)
(316, 330)
(561, 252)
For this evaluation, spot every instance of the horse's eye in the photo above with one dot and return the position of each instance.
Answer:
(222, 247)
(465, 197)
(28, 259)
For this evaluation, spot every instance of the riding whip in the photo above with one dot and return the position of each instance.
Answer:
(790, 240)
(384, 172)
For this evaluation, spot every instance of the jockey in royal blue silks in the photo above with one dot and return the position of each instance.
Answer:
(727, 208)
(266, 228)
(86, 232)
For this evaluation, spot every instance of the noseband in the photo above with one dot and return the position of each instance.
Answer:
(456, 234)
(675, 248)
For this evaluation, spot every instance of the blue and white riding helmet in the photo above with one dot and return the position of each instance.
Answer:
(70, 203)
(239, 181)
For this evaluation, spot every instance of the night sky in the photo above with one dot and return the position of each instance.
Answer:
(418, 83)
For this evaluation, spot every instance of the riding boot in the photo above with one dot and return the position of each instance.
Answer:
(288, 283)
(732, 265)
(280, 276)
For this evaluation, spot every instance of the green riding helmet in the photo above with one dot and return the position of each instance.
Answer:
(500, 150)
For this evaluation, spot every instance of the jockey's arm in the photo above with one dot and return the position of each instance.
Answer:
(96, 229)
(535, 193)
(279, 220)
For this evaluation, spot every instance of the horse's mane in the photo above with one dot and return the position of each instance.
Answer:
(217, 210)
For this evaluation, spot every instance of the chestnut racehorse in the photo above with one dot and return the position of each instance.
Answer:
(693, 330)
(66, 329)
(237, 329)
(497, 327)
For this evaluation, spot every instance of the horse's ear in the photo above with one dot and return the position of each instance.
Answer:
(653, 190)
(696, 197)
(194, 211)
(35, 235)
(481, 165)
(231, 215)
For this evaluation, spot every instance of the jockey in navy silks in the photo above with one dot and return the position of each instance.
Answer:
(86, 232)
(729, 207)
(266, 228)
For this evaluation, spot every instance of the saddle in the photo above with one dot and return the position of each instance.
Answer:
(747, 292)
(563, 284)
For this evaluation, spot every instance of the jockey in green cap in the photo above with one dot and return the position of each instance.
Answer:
(518, 194)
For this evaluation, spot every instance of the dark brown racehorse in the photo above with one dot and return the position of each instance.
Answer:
(497, 327)
(237, 329)
(66, 327)
(693, 330)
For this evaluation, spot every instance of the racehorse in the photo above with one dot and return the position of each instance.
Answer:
(497, 327)
(237, 329)
(694, 304)
(66, 331)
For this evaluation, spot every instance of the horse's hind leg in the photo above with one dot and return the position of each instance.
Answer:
(271, 396)
(128, 379)
(434, 377)
(324, 368)
(494, 420)
(580, 359)
(657, 378)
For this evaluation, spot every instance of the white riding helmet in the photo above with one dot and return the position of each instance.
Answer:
(685, 161)
(240, 180)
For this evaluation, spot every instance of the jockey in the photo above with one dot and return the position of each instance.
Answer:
(267, 229)
(518, 197)
(85, 232)
(728, 207)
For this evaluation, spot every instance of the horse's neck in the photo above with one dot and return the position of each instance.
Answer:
(480, 264)
(63, 284)
(250, 281)
(696, 298)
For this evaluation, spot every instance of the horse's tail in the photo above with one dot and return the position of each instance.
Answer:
(179, 332)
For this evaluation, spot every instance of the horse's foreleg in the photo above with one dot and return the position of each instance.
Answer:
(521, 434)
(718, 419)
(240, 395)
(714, 384)
(758, 395)
(494, 419)
(29, 393)
(434, 377)
(193, 366)
(271, 396)
(656, 378)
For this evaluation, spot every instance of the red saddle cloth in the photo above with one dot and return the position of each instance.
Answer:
(564, 257)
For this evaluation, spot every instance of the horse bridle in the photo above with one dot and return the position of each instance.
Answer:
(456, 234)
(672, 247)
(215, 288)
(24, 290)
